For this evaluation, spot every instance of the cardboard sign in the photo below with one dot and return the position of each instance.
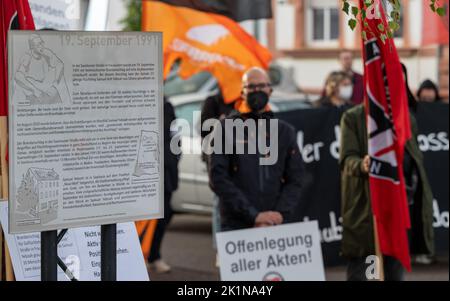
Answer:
(58, 14)
(79, 250)
(86, 128)
(289, 252)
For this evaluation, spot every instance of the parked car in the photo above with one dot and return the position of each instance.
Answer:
(187, 97)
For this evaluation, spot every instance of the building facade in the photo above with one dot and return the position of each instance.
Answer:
(307, 35)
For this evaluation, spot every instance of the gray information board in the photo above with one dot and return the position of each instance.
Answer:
(85, 126)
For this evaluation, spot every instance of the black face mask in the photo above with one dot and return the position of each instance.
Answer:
(257, 101)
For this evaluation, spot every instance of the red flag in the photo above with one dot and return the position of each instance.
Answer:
(14, 14)
(388, 128)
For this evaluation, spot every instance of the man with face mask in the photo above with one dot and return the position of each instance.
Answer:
(254, 192)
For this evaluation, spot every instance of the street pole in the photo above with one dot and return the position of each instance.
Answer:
(108, 252)
(49, 254)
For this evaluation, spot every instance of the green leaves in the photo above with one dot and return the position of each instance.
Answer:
(346, 7)
(394, 26)
(352, 23)
(351, 10)
(357, 14)
(440, 10)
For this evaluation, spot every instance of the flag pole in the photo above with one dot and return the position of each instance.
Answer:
(9, 273)
(380, 260)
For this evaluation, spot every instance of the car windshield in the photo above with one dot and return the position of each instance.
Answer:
(290, 105)
(186, 112)
(175, 85)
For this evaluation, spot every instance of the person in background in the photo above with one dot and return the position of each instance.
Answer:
(358, 233)
(253, 194)
(155, 262)
(412, 101)
(338, 91)
(428, 92)
(214, 107)
(346, 60)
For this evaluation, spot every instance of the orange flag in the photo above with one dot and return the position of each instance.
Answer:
(205, 42)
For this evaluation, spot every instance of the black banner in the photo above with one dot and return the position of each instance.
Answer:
(318, 139)
(237, 10)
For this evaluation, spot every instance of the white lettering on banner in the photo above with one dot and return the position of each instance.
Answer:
(332, 233)
(334, 147)
(433, 142)
(310, 152)
(440, 219)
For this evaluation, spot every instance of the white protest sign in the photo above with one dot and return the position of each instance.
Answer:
(86, 128)
(79, 250)
(57, 14)
(289, 252)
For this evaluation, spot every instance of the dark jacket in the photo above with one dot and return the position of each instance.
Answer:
(246, 188)
(214, 107)
(358, 233)
(170, 160)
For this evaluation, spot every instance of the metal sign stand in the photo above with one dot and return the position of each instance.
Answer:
(109, 252)
(50, 259)
(49, 254)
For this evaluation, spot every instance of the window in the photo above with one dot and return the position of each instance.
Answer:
(285, 30)
(323, 22)
(389, 9)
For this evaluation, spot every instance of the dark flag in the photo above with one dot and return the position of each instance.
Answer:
(238, 10)
(389, 129)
